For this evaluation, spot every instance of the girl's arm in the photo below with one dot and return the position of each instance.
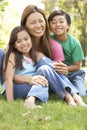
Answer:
(22, 79)
(9, 74)
(38, 79)
(28, 79)
(32, 80)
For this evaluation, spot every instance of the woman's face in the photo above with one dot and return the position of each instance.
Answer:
(36, 24)
(23, 43)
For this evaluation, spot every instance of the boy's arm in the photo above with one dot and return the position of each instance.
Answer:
(64, 69)
(74, 67)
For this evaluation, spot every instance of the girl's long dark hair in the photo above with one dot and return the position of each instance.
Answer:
(11, 48)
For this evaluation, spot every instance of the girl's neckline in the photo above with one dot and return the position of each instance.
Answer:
(28, 60)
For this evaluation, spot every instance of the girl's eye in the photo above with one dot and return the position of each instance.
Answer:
(26, 38)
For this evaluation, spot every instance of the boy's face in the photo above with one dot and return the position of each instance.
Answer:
(59, 25)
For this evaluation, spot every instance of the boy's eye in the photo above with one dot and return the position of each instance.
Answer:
(61, 21)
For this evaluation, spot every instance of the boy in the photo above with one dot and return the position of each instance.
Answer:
(59, 23)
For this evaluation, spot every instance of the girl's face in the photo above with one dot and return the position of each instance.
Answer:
(23, 43)
(36, 24)
(59, 25)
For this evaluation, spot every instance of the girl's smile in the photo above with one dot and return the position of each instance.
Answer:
(23, 43)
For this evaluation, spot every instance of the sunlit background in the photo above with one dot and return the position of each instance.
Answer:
(18, 6)
(12, 14)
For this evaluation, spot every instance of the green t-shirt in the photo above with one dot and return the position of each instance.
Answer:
(72, 50)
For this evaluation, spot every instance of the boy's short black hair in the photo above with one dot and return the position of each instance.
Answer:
(59, 12)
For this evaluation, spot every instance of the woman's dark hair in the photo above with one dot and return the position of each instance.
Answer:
(11, 48)
(44, 44)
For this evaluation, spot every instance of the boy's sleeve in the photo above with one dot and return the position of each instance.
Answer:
(78, 53)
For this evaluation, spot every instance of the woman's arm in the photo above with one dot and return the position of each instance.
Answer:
(32, 80)
(22, 79)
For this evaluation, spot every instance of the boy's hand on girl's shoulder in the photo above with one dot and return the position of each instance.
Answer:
(61, 68)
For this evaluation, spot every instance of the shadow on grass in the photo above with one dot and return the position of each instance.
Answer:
(53, 97)
(3, 97)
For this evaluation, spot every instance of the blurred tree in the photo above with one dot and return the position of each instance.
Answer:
(3, 4)
(9, 18)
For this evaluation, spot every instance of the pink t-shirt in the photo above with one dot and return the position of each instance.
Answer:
(57, 51)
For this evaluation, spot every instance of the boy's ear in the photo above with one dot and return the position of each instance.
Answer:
(69, 26)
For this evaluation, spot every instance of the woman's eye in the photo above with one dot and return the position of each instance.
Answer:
(18, 41)
(53, 22)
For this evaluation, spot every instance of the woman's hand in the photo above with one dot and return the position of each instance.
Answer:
(38, 79)
(61, 68)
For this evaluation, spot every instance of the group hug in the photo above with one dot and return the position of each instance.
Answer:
(41, 58)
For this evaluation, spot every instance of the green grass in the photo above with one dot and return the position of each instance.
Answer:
(54, 115)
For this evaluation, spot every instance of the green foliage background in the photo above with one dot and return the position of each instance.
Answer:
(78, 12)
(76, 8)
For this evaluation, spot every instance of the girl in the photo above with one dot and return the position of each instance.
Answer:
(18, 60)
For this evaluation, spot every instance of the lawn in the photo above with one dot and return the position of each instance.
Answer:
(54, 115)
